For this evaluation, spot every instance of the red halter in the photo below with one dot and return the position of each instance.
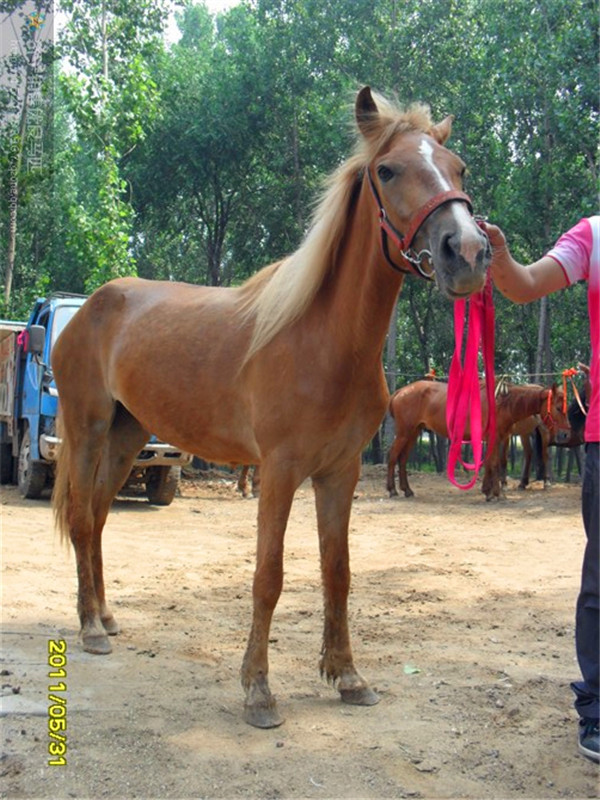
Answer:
(404, 242)
(548, 419)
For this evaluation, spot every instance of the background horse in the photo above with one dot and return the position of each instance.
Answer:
(285, 371)
(422, 406)
(536, 439)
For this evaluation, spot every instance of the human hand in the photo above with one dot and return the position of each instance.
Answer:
(494, 234)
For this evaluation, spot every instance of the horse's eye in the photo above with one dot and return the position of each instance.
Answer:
(385, 173)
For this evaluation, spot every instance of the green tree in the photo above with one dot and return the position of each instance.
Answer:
(25, 104)
(190, 178)
(111, 98)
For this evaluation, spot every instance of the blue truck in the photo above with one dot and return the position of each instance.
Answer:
(29, 442)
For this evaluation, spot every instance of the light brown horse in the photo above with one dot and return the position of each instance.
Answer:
(422, 406)
(543, 438)
(285, 371)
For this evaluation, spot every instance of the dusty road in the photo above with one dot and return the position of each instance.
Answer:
(462, 619)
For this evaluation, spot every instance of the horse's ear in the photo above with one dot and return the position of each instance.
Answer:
(367, 113)
(441, 132)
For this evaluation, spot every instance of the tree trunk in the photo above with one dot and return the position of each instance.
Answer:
(542, 356)
(15, 170)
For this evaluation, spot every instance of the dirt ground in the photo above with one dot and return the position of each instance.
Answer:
(462, 619)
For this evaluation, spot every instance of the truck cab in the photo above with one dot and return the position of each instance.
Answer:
(29, 441)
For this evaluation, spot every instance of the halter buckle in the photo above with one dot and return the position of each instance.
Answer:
(416, 260)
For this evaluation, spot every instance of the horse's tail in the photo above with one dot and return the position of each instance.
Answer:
(60, 492)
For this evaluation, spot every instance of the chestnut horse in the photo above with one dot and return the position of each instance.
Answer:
(536, 437)
(284, 371)
(422, 406)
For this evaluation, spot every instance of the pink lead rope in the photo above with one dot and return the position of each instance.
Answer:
(464, 395)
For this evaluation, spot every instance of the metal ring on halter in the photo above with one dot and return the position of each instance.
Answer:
(416, 259)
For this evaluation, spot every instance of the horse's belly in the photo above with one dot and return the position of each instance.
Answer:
(198, 413)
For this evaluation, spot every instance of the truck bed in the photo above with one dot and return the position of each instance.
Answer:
(9, 332)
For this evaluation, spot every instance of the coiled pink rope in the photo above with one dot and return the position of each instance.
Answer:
(464, 394)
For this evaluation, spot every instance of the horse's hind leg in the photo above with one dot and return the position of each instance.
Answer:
(125, 440)
(391, 472)
(100, 465)
(333, 496)
(403, 455)
(80, 458)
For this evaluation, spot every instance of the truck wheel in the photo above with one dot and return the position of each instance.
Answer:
(6, 463)
(31, 475)
(162, 484)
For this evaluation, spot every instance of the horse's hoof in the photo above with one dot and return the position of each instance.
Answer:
(111, 626)
(409, 493)
(393, 493)
(263, 715)
(363, 696)
(97, 644)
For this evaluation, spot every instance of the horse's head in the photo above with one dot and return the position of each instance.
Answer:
(417, 186)
(554, 415)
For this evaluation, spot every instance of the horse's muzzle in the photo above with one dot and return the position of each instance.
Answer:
(461, 263)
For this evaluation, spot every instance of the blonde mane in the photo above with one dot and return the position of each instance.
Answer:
(278, 295)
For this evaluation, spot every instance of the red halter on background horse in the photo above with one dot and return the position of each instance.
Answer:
(254, 375)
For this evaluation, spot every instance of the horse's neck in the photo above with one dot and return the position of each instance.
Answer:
(528, 401)
(363, 288)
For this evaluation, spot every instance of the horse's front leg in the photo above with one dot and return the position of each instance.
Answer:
(274, 505)
(333, 496)
(491, 486)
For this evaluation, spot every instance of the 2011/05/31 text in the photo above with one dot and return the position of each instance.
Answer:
(57, 708)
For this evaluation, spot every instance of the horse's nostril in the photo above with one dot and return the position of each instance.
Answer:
(449, 241)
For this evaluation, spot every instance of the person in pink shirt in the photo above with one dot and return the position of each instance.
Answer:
(575, 257)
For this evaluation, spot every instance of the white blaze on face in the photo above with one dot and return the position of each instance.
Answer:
(426, 151)
(464, 221)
